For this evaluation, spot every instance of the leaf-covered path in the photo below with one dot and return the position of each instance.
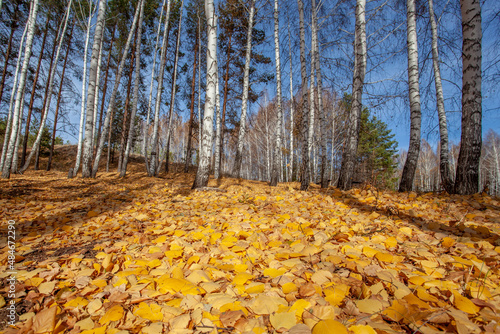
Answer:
(150, 255)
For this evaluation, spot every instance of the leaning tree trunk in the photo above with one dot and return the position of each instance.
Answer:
(244, 99)
(16, 119)
(203, 172)
(304, 171)
(111, 104)
(410, 166)
(467, 177)
(350, 150)
(444, 163)
(277, 148)
(191, 108)
(319, 95)
(51, 153)
(154, 151)
(45, 112)
(13, 27)
(174, 87)
(82, 108)
(136, 92)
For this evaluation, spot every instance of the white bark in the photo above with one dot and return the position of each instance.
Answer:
(154, 151)
(111, 104)
(84, 95)
(12, 96)
(96, 100)
(414, 94)
(244, 99)
(36, 145)
(350, 150)
(16, 120)
(291, 103)
(150, 99)
(203, 171)
(135, 97)
(218, 121)
(277, 162)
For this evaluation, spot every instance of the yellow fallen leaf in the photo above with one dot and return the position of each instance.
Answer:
(271, 272)
(289, 287)
(112, 314)
(299, 306)
(370, 306)
(464, 304)
(242, 278)
(329, 326)
(47, 287)
(336, 295)
(384, 257)
(91, 214)
(78, 301)
(396, 312)
(151, 312)
(390, 242)
(447, 242)
(85, 324)
(284, 320)
(45, 320)
(362, 329)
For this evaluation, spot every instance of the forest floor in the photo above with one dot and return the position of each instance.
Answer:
(150, 255)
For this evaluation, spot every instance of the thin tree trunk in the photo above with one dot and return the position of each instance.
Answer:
(467, 177)
(200, 121)
(304, 172)
(82, 109)
(319, 96)
(174, 86)
(90, 122)
(218, 132)
(351, 146)
(10, 116)
(33, 90)
(154, 151)
(291, 103)
(111, 104)
(244, 100)
(13, 27)
(136, 92)
(277, 148)
(226, 90)
(410, 166)
(145, 140)
(96, 100)
(124, 132)
(16, 119)
(191, 108)
(45, 111)
(203, 172)
(105, 86)
(54, 130)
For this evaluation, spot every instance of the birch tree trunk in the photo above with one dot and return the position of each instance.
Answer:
(111, 104)
(174, 85)
(45, 112)
(291, 104)
(244, 99)
(351, 147)
(279, 114)
(203, 172)
(82, 109)
(444, 164)
(410, 166)
(135, 98)
(150, 99)
(16, 119)
(304, 171)
(89, 122)
(319, 95)
(96, 99)
(154, 151)
(200, 121)
(218, 132)
(467, 177)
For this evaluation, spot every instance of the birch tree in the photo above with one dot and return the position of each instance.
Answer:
(244, 99)
(279, 112)
(467, 176)
(84, 89)
(218, 130)
(203, 172)
(17, 112)
(410, 166)
(444, 164)
(291, 103)
(304, 171)
(153, 168)
(89, 122)
(45, 112)
(112, 99)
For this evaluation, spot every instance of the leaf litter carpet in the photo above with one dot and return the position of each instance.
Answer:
(144, 255)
